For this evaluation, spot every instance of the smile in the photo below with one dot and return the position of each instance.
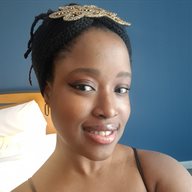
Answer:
(101, 134)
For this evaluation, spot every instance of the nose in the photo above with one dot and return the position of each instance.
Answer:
(105, 107)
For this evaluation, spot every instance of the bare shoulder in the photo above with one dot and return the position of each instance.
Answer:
(22, 188)
(166, 173)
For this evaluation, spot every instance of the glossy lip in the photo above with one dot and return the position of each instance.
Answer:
(101, 139)
(101, 127)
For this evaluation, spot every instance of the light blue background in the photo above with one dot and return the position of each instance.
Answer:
(161, 94)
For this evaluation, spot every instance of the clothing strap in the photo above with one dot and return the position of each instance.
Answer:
(32, 186)
(139, 167)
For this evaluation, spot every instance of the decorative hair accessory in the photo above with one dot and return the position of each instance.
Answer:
(76, 12)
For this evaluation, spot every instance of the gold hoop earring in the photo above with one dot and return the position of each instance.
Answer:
(46, 109)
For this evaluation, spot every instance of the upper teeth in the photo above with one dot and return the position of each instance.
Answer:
(102, 133)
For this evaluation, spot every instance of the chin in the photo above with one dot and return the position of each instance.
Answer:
(100, 152)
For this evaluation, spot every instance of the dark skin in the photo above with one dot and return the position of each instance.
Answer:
(90, 87)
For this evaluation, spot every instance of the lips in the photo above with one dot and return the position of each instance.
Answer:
(101, 133)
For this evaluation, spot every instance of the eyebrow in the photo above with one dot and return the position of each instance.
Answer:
(124, 74)
(86, 70)
(96, 72)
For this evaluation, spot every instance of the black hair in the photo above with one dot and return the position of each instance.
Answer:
(56, 35)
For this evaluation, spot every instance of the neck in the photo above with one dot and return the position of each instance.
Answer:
(72, 161)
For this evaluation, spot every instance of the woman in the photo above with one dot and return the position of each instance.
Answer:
(82, 59)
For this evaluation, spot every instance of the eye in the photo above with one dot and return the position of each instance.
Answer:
(82, 87)
(122, 90)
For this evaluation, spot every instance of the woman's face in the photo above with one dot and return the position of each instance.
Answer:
(89, 96)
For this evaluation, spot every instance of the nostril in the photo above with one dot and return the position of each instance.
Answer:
(99, 113)
(102, 116)
(104, 113)
(105, 107)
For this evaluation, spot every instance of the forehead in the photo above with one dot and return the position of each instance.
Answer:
(95, 40)
(96, 47)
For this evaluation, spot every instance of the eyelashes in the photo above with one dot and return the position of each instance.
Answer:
(122, 90)
(82, 87)
(85, 87)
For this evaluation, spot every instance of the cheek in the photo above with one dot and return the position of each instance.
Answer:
(69, 111)
(125, 111)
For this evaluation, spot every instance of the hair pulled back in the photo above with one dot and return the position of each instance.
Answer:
(56, 35)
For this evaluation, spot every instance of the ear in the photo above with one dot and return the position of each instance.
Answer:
(47, 93)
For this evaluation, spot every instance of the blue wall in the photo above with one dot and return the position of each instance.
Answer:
(161, 94)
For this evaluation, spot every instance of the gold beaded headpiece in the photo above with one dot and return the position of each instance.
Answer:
(76, 12)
